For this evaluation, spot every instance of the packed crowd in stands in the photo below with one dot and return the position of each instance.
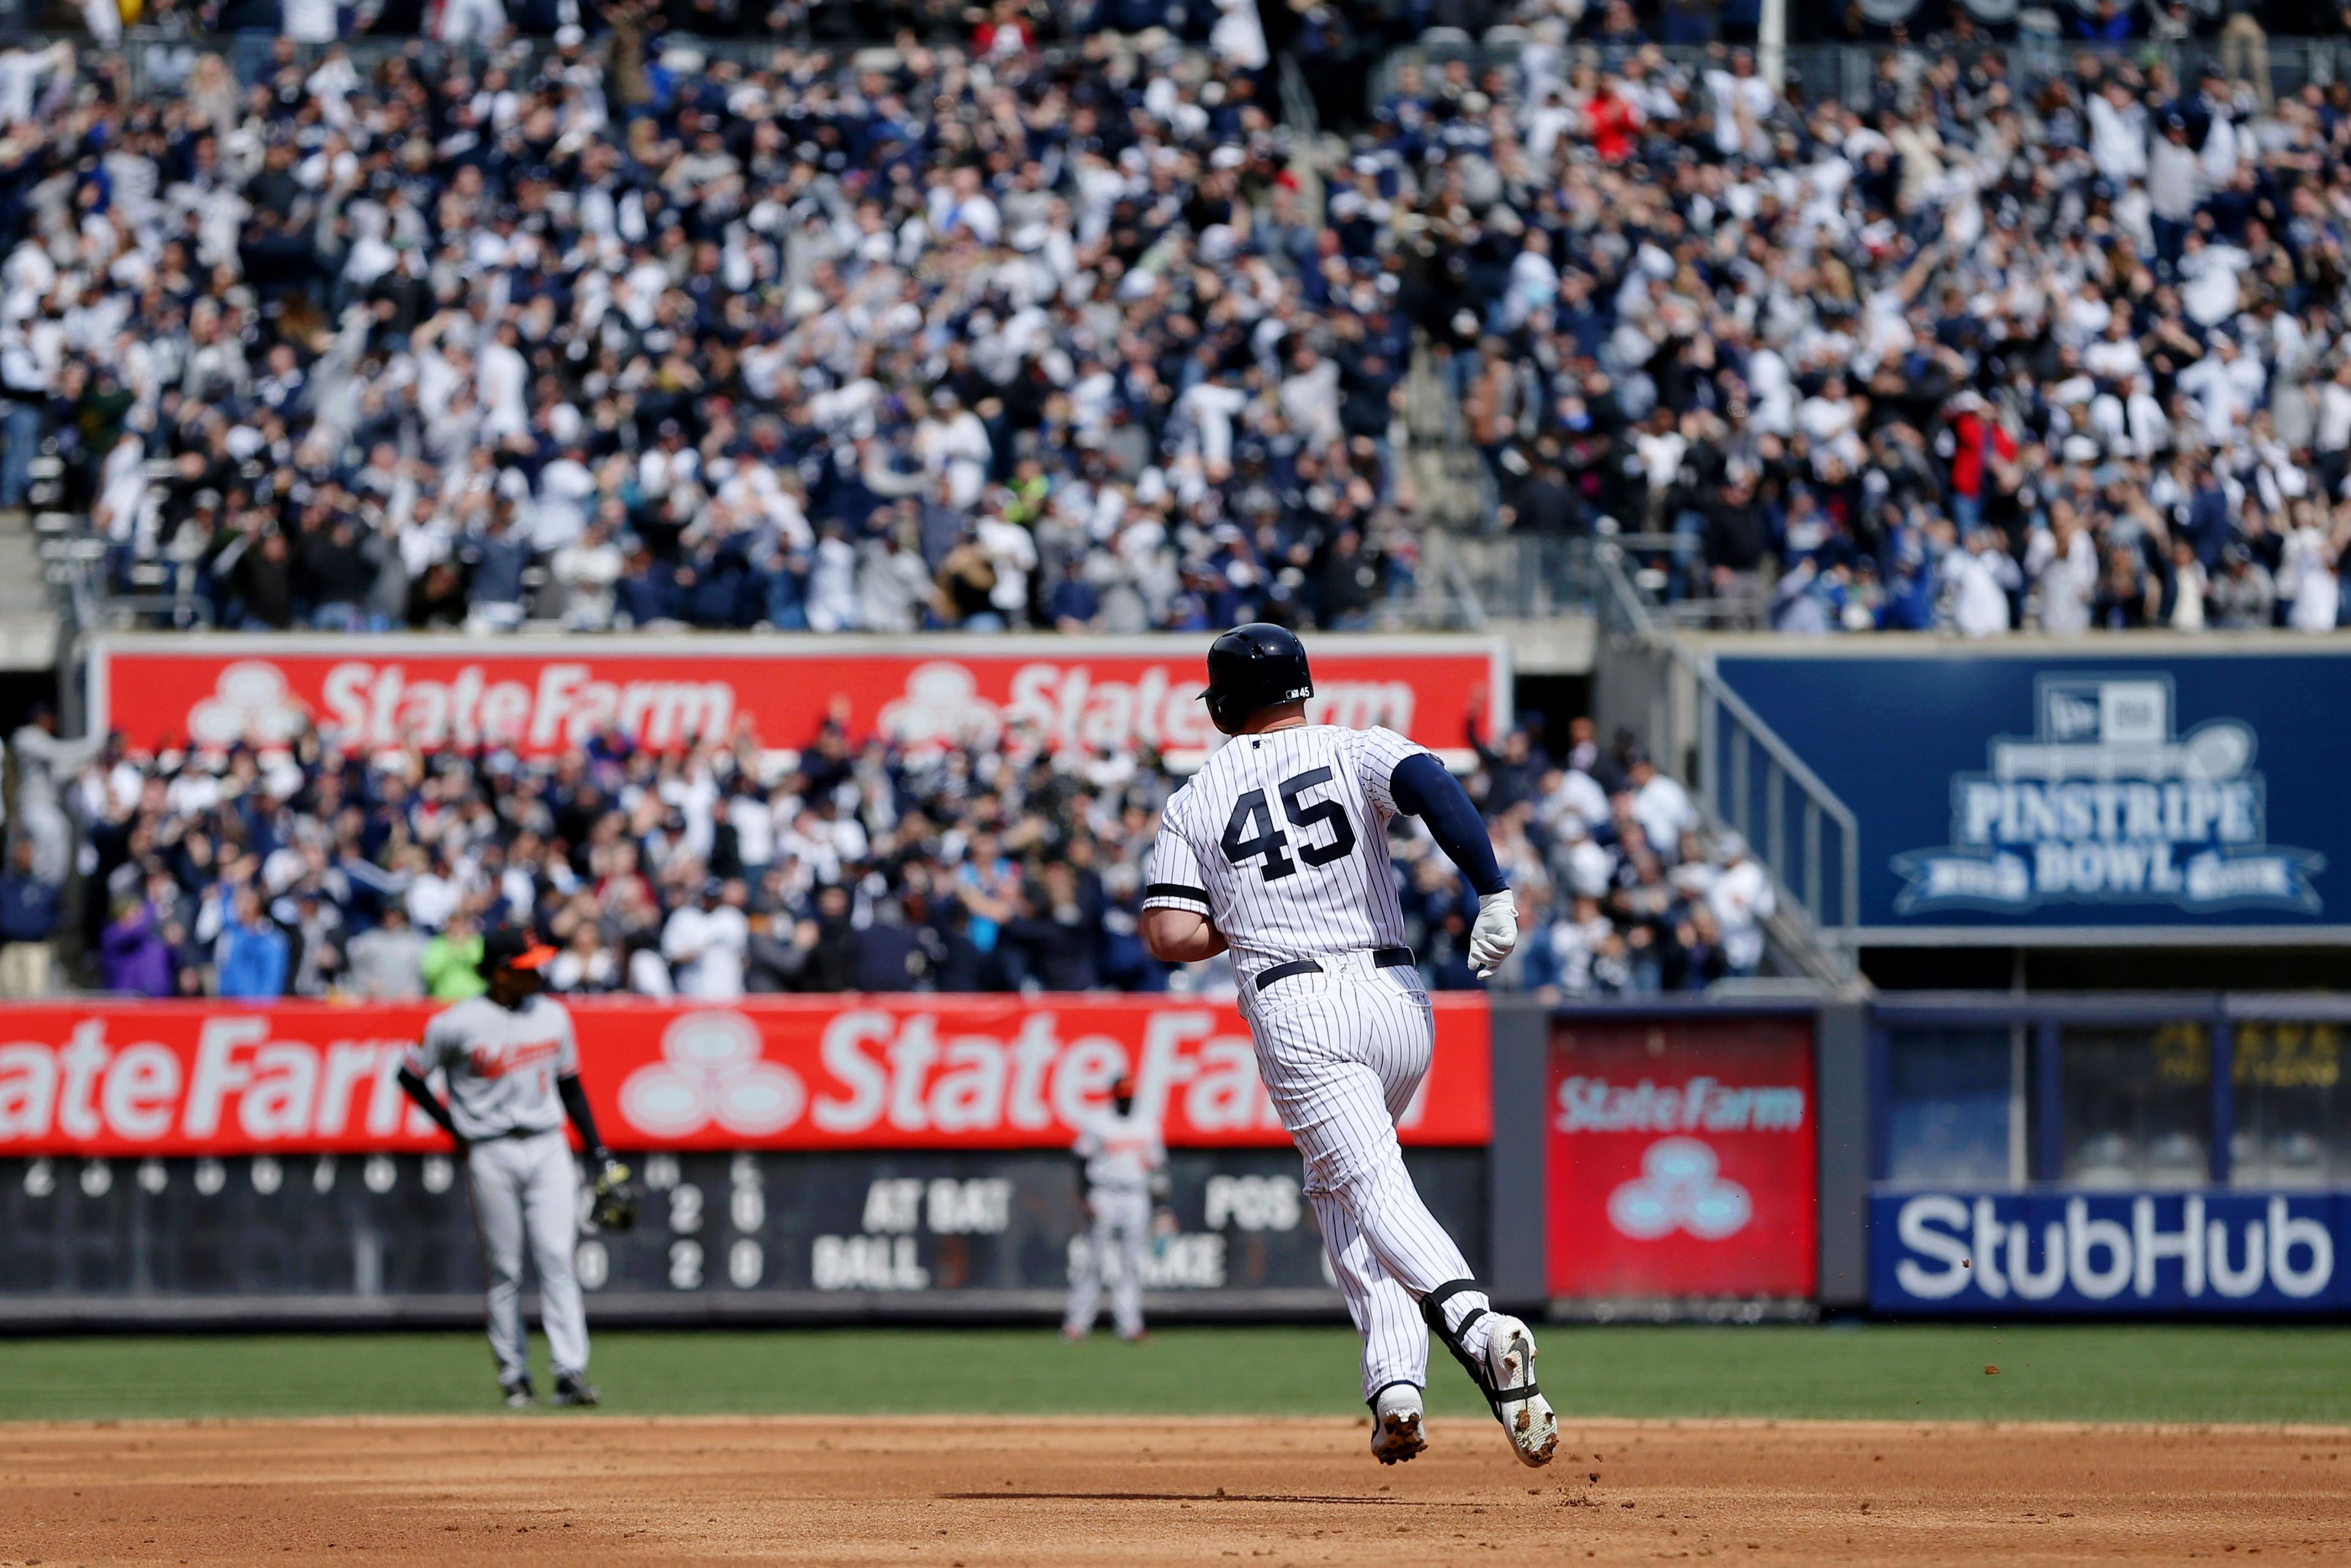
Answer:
(984, 337)
(1982, 353)
(721, 869)
(974, 341)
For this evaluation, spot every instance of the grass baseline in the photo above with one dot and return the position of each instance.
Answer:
(2192, 1374)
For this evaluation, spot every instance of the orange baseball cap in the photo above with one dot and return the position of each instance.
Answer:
(509, 948)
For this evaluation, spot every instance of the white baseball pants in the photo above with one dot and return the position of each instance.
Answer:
(528, 1189)
(1342, 1052)
(1122, 1219)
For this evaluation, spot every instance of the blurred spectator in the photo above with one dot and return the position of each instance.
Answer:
(2243, 595)
(1739, 899)
(133, 959)
(42, 761)
(830, 942)
(1660, 806)
(705, 941)
(29, 918)
(1059, 930)
(386, 962)
(251, 956)
(450, 964)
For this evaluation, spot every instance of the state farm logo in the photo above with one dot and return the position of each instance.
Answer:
(1702, 1104)
(249, 703)
(712, 1070)
(1680, 1187)
(942, 707)
(521, 703)
(1075, 706)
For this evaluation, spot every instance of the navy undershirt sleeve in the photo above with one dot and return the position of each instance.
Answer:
(575, 1105)
(1422, 787)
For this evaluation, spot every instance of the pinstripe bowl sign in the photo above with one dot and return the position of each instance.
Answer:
(1118, 695)
(2043, 791)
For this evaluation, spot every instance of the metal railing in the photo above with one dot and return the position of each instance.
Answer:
(1750, 781)
(1732, 737)
(1530, 577)
(157, 60)
(1523, 577)
(1298, 110)
(1851, 73)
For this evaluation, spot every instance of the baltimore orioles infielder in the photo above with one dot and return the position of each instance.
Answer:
(1124, 1166)
(512, 1067)
(1278, 849)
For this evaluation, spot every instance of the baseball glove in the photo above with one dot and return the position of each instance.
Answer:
(616, 1198)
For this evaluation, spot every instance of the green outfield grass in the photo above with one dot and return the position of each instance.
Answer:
(1881, 1371)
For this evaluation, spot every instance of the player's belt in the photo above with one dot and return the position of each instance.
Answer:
(1382, 957)
(512, 1133)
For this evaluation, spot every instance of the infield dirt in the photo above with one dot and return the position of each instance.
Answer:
(949, 1491)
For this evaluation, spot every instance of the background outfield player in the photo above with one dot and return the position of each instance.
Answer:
(1278, 849)
(512, 1067)
(1123, 1160)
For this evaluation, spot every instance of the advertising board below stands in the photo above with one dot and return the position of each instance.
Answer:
(852, 1156)
(1991, 1253)
(1682, 1159)
(1117, 694)
(773, 1073)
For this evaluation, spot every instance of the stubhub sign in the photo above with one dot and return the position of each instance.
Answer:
(1982, 1253)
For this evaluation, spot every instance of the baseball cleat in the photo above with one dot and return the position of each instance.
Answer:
(570, 1388)
(517, 1393)
(1526, 1416)
(1397, 1433)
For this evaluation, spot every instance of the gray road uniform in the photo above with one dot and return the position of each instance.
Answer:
(1125, 1158)
(500, 1066)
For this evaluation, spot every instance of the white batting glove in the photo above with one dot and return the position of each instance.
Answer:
(1495, 932)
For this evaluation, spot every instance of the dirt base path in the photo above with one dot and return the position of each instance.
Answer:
(971, 1492)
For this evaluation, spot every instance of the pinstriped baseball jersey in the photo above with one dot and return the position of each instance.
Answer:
(1281, 839)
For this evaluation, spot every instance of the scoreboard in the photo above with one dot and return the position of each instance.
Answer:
(744, 1236)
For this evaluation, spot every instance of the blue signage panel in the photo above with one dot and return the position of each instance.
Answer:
(2010, 794)
(1977, 1253)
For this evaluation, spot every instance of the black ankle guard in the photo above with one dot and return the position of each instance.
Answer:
(1432, 1310)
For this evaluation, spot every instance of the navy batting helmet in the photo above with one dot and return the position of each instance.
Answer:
(1252, 667)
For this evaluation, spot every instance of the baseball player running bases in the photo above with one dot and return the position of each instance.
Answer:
(1277, 849)
(512, 1070)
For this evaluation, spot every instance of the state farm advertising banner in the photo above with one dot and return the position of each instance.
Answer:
(878, 1073)
(1682, 1159)
(538, 697)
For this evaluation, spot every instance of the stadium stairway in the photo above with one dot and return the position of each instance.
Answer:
(1447, 476)
(29, 621)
